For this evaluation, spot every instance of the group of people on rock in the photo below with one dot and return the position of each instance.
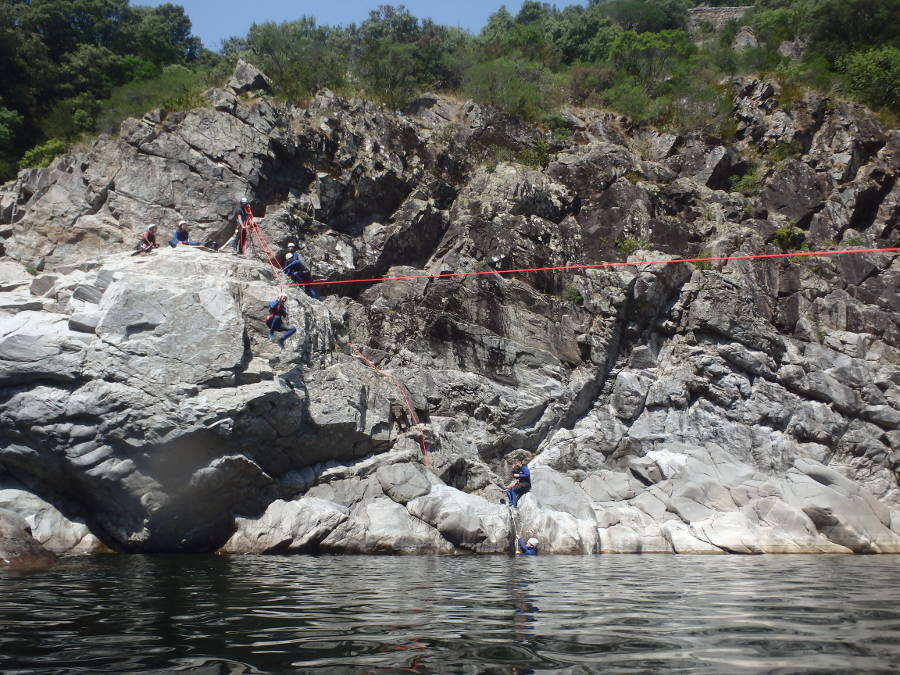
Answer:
(181, 236)
(242, 218)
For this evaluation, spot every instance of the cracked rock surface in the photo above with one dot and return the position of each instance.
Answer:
(729, 407)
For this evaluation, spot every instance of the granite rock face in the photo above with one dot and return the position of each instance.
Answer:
(728, 407)
(18, 548)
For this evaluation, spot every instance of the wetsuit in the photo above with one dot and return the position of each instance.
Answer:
(296, 270)
(514, 494)
(241, 216)
(525, 550)
(180, 236)
(147, 243)
(277, 313)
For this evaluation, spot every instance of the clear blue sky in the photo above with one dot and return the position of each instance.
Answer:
(215, 20)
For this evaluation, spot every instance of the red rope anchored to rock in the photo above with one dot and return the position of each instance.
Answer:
(637, 263)
(412, 413)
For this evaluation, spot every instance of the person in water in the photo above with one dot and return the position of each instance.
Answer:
(520, 485)
(277, 315)
(529, 547)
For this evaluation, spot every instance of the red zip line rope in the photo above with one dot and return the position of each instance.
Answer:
(412, 413)
(276, 268)
(559, 268)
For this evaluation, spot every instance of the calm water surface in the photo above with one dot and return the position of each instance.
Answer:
(779, 614)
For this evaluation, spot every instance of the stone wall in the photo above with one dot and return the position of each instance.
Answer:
(717, 17)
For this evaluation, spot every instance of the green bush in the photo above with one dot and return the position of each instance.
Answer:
(788, 238)
(703, 264)
(572, 294)
(747, 183)
(521, 88)
(628, 245)
(874, 76)
(781, 150)
(176, 88)
(41, 155)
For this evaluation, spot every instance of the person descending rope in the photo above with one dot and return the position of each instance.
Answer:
(278, 313)
(147, 242)
(241, 216)
(520, 485)
(181, 235)
(529, 547)
(296, 270)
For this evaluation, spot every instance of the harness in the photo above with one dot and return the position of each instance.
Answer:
(276, 313)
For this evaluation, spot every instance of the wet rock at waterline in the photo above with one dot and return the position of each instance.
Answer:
(728, 407)
(18, 548)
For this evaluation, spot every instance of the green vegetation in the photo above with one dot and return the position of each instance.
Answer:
(535, 155)
(788, 238)
(73, 68)
(41, 155)
(572, 294)
(748, 182)
(780, 151)
(703, 264)
(629, 245)
(62, 60)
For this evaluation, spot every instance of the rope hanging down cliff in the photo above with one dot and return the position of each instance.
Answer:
(409, 408)
(253, 226)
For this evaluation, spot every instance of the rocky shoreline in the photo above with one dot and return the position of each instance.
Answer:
(731, 407)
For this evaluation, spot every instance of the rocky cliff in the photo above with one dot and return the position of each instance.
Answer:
(736, 406)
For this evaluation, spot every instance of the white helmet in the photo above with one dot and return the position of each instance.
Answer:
(290, 244)
(151, 226)
(244, 200)
(182, 222)
(533, 541)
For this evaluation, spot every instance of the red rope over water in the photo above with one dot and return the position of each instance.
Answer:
(409, 408)
(560, 268)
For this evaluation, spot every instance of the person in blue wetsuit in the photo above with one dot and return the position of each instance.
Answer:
(520, 485)
(182, 236)
(275, 320)
(529, 547)
(296, 270)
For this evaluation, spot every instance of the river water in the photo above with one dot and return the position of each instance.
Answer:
(215, 614)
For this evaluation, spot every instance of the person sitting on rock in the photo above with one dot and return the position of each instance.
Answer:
(147, 242)
(296, 270)
(277, 315)
(520, 485)
(182, 236)
(529, 547)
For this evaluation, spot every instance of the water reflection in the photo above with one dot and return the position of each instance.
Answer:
(470, 614)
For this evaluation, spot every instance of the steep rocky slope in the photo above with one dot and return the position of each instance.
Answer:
(739, 406)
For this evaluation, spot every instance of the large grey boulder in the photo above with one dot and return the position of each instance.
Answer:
(384, 526)
(466, 521)
(246, 78)
(53, 530)
(286, 527)
(17, 547)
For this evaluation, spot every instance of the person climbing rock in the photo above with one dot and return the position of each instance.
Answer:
(181, 235)
(275, 320)
(147, 242)
(529, 547)
(520, 485)
(296, 270)
(241, 217)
